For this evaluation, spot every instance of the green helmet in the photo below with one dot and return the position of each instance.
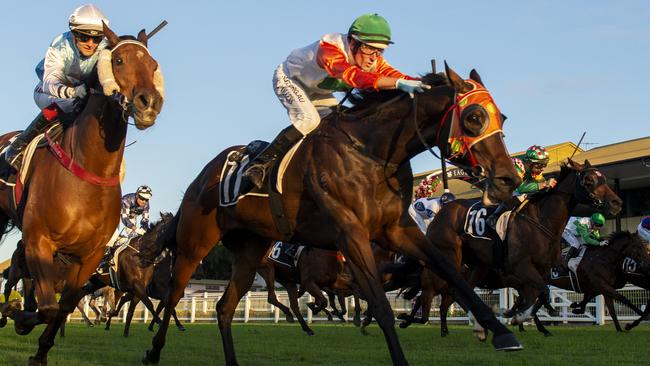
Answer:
(598, 219)
(371, 29)
(536, 154)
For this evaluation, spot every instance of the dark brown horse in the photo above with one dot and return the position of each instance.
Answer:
(349, 183)
(62, 215)
(315, 270)
(135, 268)
(532, 244)
(605, 269)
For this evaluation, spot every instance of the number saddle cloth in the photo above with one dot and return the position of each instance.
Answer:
(477, 227)
(286, 254)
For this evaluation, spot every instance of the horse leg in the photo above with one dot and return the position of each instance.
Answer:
(408, 318)
(141, 293)
(331, 299)
(83, 315)
(159, 308)
(344, 309)
(410, 241)
(129, 315)
(11, 282)
(643, 316)
(178, 323)
(543, 300)
(268, 274)
(580, 307)
(426, 298)
(445, 303)
(357, 309)
(115, 312)
(292, 291)
(247, 257)
(40, 260)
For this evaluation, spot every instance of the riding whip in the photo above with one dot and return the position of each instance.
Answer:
(157, 29)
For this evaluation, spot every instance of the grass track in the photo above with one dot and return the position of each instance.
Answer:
(285, 344)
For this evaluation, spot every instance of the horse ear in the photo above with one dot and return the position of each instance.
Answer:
(456, 81)
(575, 165)
(587, 164)
(112, 38)
(475, 76)
(142, 37)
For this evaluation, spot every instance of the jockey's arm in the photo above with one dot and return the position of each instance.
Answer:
(54, 75)
(587, 236)
(144, 222)
(528, 186)
(126, 220)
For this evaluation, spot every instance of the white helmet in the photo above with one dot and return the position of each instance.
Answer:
(144, 192)
(87, 19)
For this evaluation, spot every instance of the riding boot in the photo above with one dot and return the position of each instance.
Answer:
(259, 167)
(14, 152)
(572, 253)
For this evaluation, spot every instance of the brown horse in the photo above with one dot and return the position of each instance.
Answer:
(63, 216)
(350, 182)
(315, 270)
(135, 267)
(532, 244)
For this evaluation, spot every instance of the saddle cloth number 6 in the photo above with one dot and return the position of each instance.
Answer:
(477, 222)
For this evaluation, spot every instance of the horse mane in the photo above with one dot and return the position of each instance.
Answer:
(367, 98)
(150, 245)
(620, 235)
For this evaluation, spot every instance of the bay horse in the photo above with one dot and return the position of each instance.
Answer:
(315, 270)
(135, 268)
(532, 244)
(62, 215)
(350, 182)
(156, 288)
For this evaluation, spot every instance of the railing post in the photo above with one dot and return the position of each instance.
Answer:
(503, 298)
(347, 306)
(193, 313)
(205, 302)
(124, 312)
(276, 314)
(309, 314)
(86, 304)
(145, 316)
(247, 307)
(600, 310)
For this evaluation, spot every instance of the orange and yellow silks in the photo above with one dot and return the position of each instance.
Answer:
(460, 142)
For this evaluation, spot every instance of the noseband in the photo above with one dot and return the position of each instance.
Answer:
(581, 192)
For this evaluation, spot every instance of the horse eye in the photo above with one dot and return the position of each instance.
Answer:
(119, 61)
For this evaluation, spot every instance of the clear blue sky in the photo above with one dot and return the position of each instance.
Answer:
(556, 68)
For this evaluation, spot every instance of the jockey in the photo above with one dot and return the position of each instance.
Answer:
(529, 169)
(306, 80)
(424, 209)
(134, 205)
(535, 160)
(68, 63)
(644, 228)
(583, 231)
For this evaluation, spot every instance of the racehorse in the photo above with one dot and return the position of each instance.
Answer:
(69, 210)
(156, 288)
(607, 268)
(532, 244)
(350, 182)
(315, 269)
(135, 267)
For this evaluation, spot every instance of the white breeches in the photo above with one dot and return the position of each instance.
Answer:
(305, 113)
(571, 239)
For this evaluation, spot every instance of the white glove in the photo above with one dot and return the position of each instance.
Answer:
(604, 242)
(140, 231)
(80, 91)
(411, 86)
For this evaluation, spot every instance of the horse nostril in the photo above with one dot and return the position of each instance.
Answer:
(143, 100)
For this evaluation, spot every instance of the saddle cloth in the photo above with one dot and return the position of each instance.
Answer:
(561, 272)
(232, 187)
(286, 254)
(476, 224)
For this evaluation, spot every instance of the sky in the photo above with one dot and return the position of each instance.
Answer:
(555, 68)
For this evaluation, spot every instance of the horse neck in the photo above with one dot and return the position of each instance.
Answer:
(96, 139)
(390, 133)
(556, 208)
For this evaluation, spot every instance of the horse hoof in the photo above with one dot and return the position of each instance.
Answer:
(181, 328)
(3, 322)
(444, 334)
(309, 332)
(573, 305)
(578, 311)
(628, 327)
(548, 334)
(404, 325)
(125, 335)
(148, 359)
(480, 335)
(150, 329)
(33, 361)
(290, 319)
(506, 342)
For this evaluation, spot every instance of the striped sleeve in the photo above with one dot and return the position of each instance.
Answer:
(53, 75)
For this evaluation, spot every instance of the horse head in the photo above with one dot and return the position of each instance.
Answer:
(591, 188)
(631, 252)
(470, 135)
(129, 73)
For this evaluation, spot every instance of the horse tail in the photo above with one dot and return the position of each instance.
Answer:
(5, 273)
(5, 227)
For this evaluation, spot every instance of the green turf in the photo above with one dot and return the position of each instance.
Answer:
(285, 344)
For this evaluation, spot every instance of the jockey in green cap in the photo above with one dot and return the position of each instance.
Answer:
(306, 80)
(583, 231)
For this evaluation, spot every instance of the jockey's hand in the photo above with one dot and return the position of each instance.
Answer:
(551, 183)
(411, 86)
(80, 91)
(604, 242)
(140, 231)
